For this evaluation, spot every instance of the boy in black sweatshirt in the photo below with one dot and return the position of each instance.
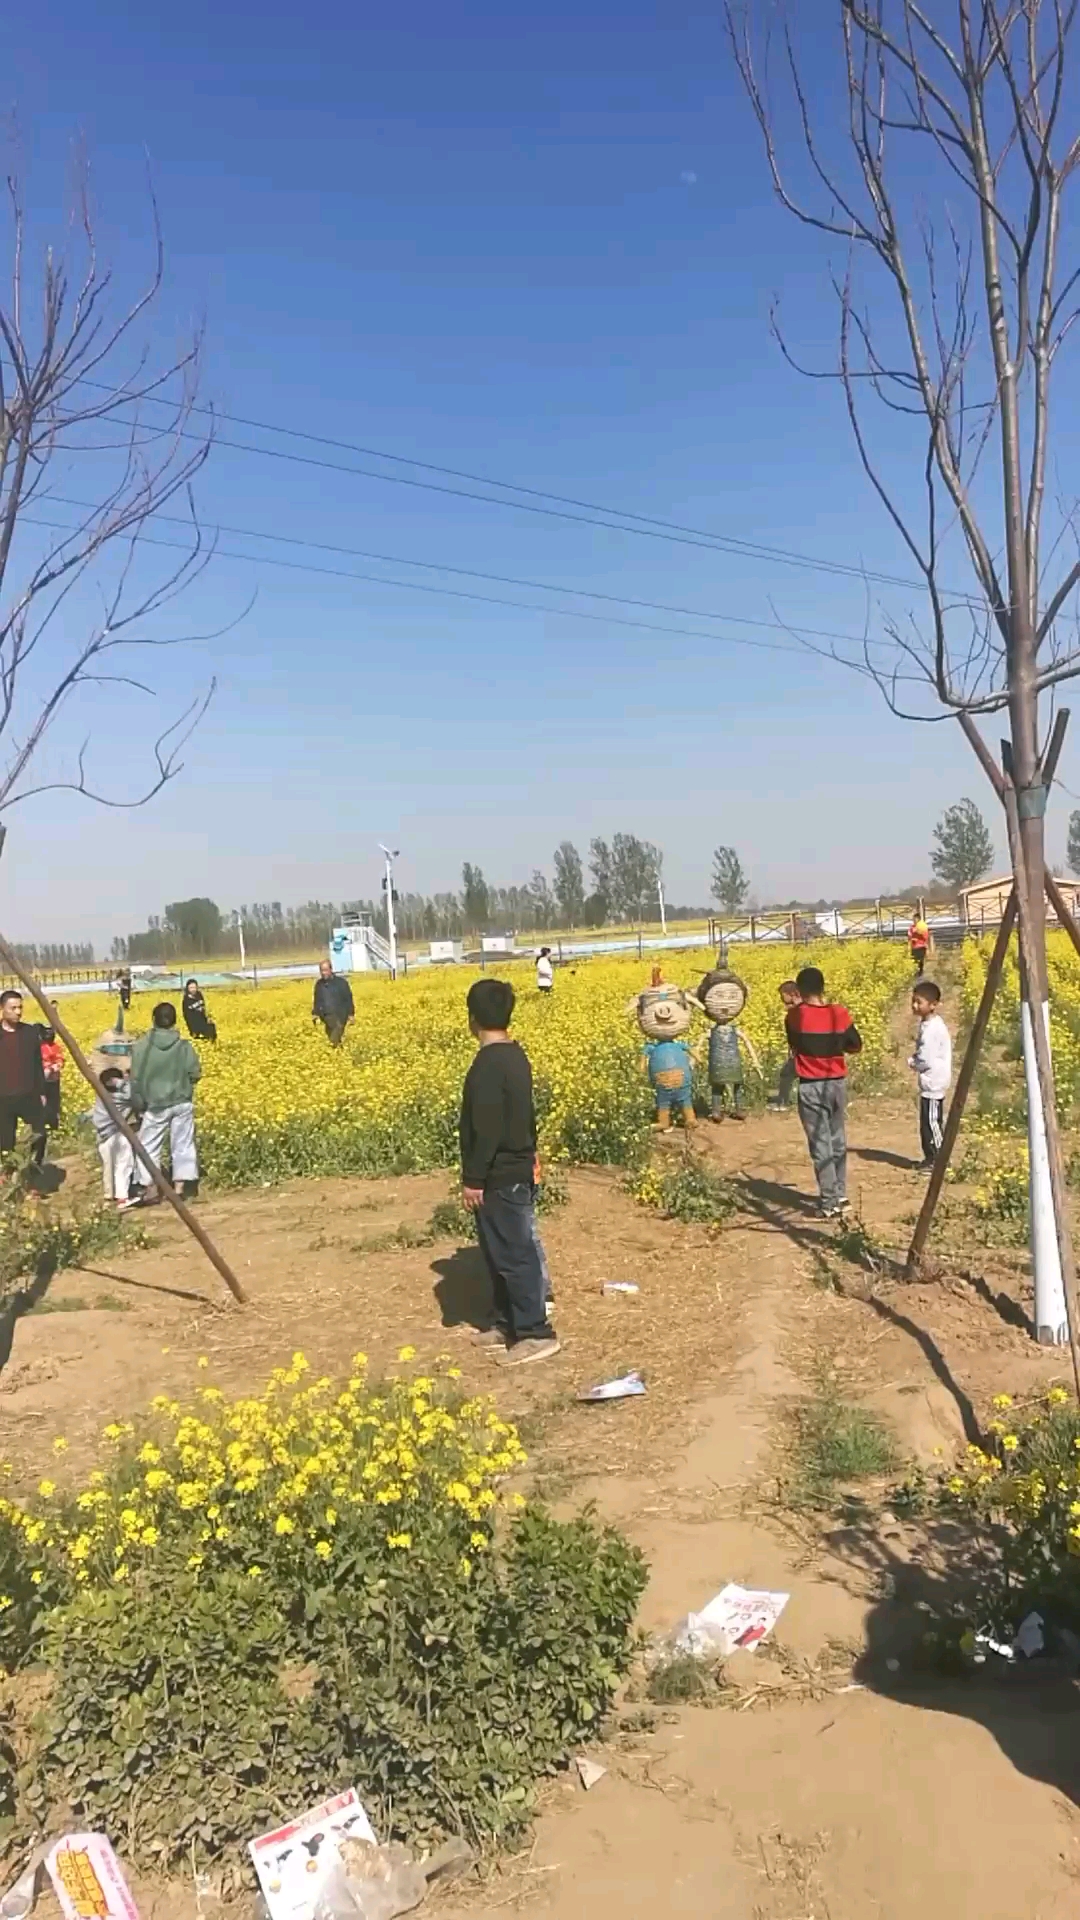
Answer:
(498, 1159)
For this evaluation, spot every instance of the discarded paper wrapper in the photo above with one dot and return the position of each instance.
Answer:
(88, 1879)
(626, 1387)
(295, 1862)
(620, 1286)
(735, 1617)
(589, 1771)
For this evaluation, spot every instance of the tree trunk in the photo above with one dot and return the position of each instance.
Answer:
(1051, 1318)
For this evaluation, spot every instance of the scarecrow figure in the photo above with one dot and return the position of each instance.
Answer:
(664, 1015)
(723, 996)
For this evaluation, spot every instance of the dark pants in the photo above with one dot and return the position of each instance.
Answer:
(28, 1108)
(931, 1126)
(335, 1031)
(918, 955)
(785, 1085)
(52, 1104)
(506, 1230)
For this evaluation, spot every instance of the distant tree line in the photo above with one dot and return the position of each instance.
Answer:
(621, 884)
(54, 957)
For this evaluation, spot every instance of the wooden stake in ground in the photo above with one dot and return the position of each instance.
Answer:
(52, 1019)
(963, 1085)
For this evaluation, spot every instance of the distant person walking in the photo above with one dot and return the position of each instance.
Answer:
(196, 1019)
(932, 1061)
(545, 970)
(164, 1071)
(821, 1034)
(918, 942)
(22, 1079)
(333, 1003)
(498, 1171)
(123, 983)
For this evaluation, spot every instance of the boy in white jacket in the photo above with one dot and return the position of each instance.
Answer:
(932, 1061)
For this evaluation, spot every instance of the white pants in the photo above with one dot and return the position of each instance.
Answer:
(177, 1126)
(117, 1166)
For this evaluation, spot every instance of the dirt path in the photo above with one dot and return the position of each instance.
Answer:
(819, 1800)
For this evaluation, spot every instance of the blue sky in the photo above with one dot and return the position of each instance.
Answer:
(541, 249)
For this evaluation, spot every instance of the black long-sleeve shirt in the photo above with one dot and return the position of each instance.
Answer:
(333, 999)
(498, 1123)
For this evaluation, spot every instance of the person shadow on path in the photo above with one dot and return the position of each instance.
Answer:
(463, 1289)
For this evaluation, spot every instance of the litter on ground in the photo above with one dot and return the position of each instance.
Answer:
(626, 1387)
(735, 1617)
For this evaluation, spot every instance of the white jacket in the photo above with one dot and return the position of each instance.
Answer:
(932, 1059)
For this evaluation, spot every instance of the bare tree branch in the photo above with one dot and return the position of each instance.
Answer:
(73, 380)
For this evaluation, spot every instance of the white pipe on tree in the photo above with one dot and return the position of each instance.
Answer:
(1051, 1318)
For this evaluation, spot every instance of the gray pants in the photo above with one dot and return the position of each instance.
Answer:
(176, 1125)
(822, 1105)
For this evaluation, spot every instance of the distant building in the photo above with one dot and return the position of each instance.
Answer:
(984, 904)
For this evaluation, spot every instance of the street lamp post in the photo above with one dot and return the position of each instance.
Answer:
(390, 854)
(240, 931)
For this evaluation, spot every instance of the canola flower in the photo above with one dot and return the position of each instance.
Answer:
(284, 1482)
(276, 1101)
(1025, 1481)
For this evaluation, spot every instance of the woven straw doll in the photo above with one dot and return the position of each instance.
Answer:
(723, 996)
(664, 1015)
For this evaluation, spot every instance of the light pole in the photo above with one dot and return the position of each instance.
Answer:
(240, 930)
(660, 897)
(391, 854)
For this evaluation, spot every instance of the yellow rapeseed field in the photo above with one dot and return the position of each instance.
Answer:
(276, 1100)
(1063, 968)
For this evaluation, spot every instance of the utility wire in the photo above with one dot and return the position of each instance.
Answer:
(647, 526)
(454, 593)
(496, 579)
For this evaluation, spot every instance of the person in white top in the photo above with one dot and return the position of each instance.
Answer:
(932, 1062)
(545, 970)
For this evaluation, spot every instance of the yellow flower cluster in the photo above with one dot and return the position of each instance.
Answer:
(1028, 1476)
(1063, 972)
(248, 1483)
(275, 1100)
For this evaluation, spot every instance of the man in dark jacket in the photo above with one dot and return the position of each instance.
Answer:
(22, 1079)
(498, 1171)
(333, 1003)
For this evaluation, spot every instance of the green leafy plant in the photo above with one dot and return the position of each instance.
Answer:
(37, 1239)
(687, 1190)
(251, 1601)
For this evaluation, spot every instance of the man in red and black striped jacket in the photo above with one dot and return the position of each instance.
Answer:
(821, 1034)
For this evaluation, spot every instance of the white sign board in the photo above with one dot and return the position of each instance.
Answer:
(294, 1862)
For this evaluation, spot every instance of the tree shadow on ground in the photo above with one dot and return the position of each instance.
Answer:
(766, 1197)
(152, 1286)
(885, 1157)
(21, 1302)
(771, 1204)
(1030, 1708)
(463, 1289)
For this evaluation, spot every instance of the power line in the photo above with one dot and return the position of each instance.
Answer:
(497, 579)
(647, 526)
(454, 593)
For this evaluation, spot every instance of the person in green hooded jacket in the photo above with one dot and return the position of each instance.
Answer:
(164, 1070)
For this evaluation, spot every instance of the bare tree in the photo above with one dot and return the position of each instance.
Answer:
(79, 590)
(947, 179)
